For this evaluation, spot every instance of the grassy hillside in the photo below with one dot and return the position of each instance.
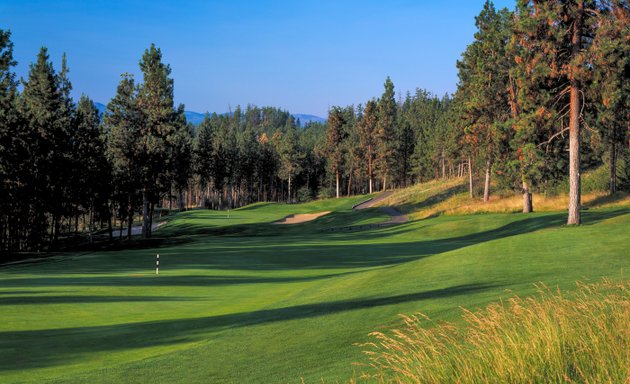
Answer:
(242, 300)
(451, 197)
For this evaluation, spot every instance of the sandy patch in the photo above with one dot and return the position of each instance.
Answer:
(300, 218)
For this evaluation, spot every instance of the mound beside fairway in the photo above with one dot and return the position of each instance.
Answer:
(240, 300)
(300, 218)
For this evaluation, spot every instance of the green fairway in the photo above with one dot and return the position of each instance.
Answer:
(241, 300)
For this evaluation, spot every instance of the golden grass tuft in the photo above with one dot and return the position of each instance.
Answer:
(450, 197)
(581, 337)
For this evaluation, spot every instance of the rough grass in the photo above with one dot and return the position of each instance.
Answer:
(580, 337)
(451, 197)
(241, 300)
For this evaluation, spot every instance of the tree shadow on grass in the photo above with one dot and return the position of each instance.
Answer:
(40, 348)
(432, 200)
(86, 299)
(299, 251)
(149, 280)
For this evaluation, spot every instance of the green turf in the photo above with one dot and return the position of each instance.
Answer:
(241, 300)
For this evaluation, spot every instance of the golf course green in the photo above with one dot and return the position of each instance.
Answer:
(239, 299)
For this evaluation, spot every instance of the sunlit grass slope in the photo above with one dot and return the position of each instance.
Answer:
(451, 197)
(242, 300)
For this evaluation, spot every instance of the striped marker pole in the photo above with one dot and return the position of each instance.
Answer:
(157, 265)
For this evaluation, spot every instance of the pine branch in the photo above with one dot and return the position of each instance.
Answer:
(553, 137)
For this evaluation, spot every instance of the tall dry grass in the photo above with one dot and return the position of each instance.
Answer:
(450, 197)
(582, 337)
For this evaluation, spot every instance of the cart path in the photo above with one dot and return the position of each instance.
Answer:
(396, 217)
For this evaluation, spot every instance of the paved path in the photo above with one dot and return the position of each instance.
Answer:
(137, 230)
(396, 217)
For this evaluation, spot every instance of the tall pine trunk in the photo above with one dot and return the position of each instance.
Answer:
(289, 188)
(486, 187)
(370, 173)
(574, 157)
(337, 183)
(527, 198)
(574, 125)
(470, 177)
(129, 217)
(151, 210)
(613, 168)
(181, 199)
(145, 213)
(110, 228)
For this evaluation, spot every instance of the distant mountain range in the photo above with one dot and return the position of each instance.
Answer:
(196, 118)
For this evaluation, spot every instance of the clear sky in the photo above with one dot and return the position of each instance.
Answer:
(304, 56)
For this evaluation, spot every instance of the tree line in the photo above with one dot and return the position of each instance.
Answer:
(542, 95)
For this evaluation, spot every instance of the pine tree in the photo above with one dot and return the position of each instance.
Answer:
(386, 131)
(290, 156)
(41, 105)
(367, 135)
(203, 163)
(335, 136)
(564, 31)
(155, 100)
(13, 150)
(91, 169)
(180, 156)
(406, 142)
(484, 85)
(611, 48)
(122, 123)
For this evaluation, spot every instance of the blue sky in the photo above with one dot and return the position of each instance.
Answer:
(304, 56)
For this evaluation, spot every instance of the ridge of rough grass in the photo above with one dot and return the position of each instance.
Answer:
(450, 197)
(580, 337)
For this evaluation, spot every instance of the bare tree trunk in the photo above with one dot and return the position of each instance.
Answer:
(150, 227)
(181, 199)
(337, 183)
(289, 187)
(385, 182)
(145, 213)
(574, 127)
(91, 226)
(527, 198)
(443, 165)
(370, 170)
(110, 228)
(130, 219)
(613, 168)
(349, 183)
(574, 159)
(170, 198)
(486, 187)
(470, 177)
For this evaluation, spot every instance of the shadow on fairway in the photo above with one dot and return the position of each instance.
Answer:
(85, 299)
(435, 199)
(301, 250)
(146, 280)
(42, 348)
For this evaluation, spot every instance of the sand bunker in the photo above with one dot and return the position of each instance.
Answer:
(300, 218)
